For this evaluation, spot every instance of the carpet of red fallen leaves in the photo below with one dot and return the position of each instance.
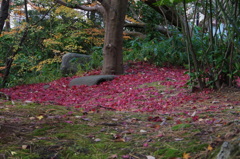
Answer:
(128, 92)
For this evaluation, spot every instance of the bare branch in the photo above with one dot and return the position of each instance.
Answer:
(135, 25)
(135, 16)
(97, 7)
(159, 28)
(135, 34)
(169, 12)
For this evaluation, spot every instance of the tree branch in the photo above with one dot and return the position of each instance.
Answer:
(105, 3)
(169, 12)
(135, 34)
(159, 28)
(135, 16)
(135, 25)
(26, 10)
(82, 7)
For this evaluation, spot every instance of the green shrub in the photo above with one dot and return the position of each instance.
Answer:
(168, 51)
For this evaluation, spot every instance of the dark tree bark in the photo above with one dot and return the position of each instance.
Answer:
(3, 13)
(113, 38)
(113, 12)
(7, 24)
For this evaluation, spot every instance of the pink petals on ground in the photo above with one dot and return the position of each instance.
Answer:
(130, 92)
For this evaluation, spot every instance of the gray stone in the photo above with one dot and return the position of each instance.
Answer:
(3, 156)
(46, 86)
(91, 80)
(72, 61)
(230, 150)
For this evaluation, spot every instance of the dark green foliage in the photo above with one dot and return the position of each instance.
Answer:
(160, 51)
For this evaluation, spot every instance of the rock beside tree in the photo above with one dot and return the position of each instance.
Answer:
(72, 61)
(91, 80)
(230, 150)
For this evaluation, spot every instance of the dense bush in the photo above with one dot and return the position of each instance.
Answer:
(38, 60)
(159, 51)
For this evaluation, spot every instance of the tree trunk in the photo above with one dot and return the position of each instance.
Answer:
(3, 13)
(113, 39)
(114, 12)
(7, 24)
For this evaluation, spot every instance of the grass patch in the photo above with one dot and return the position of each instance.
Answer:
(66, 133)
(41, 131)
(180, 127)
(166, 153)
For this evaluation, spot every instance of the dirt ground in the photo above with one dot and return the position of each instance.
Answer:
(31, 130)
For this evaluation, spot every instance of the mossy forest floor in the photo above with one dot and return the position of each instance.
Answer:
(36, 131)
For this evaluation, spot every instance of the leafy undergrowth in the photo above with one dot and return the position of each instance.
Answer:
(146, 113)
